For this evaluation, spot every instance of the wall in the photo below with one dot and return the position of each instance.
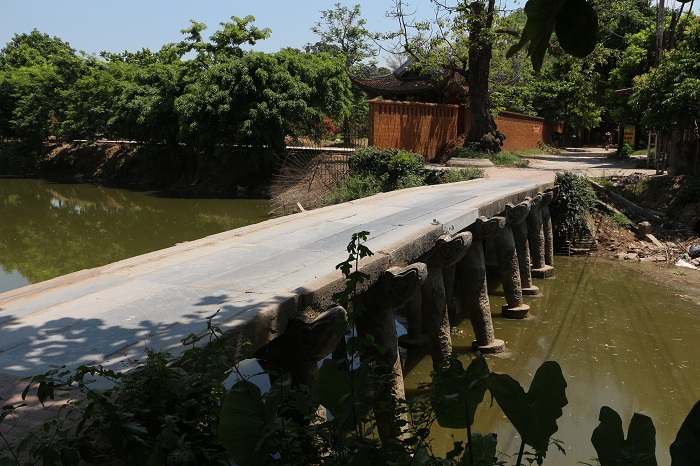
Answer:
(418, 127)
(423, 127)
(522, 131)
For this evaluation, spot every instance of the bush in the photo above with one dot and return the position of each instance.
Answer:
(389, 165)
(503, 158)
(573, 204)
(354, 187)
(624, 151)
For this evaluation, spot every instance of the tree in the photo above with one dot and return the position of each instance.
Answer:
(344, 29)
(668, 97)
(92, 100)
(461, 38)
(35, 71)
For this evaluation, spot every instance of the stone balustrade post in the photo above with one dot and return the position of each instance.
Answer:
(394, 288)
(436, 323)
(303, 344)
(472, 288)
(535, 236)
(509, 267)
(516, 217)
(547, 197)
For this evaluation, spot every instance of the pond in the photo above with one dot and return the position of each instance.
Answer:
(622, 341)
(51, 229)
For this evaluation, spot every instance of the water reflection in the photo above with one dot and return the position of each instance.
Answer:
(621, 341)
(48, 230)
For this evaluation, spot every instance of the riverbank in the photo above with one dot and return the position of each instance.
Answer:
(172, 169)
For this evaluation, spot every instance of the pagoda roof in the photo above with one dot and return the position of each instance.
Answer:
(391, 84)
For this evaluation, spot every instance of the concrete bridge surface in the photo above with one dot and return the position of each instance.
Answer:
(257, 277)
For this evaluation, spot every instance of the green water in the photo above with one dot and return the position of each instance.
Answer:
(621, 340)
(50, 229)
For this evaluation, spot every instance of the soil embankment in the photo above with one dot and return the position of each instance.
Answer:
(159, 167)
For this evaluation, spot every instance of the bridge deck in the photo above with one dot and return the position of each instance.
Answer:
(107, 315)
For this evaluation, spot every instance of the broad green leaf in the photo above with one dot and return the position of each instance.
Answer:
(456, 393)
(608, 440)
(242, 422)
(347, 396)
(685, 449)
(577, 27)
(484, 449)
(533, 414)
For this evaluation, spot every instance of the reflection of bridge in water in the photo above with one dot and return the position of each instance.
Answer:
(261, 276)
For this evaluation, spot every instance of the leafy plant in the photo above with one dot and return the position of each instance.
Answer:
(572, 206)
(638, 449)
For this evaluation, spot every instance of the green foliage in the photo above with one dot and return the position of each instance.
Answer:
(638, 449)
(456, 392)
(354, 187)
(164, 412)
(669, 96)
(619, 220)
(387, 165)
(624, 151)
(574, 21)
(685, 449)
(689, 191)
(573, 204)
(533, 414)
(503, 158)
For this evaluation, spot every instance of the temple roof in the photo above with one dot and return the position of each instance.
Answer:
(391, 84)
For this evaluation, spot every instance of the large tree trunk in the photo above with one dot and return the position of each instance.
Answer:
(483, 127)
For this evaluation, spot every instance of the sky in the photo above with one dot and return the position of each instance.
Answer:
(115, 26)
(97, 25)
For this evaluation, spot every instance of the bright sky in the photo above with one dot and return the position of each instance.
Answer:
(115, 26)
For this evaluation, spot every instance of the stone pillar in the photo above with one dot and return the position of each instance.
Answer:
(303, 344)
(414, 336)
(473, 290)
(516, 217)
(394, 288)
(436, 323)
(509, 269)
(535, 236)
(547, 197)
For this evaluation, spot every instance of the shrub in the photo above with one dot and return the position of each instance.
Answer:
(389, 165)
(573, 204)
(354, 187)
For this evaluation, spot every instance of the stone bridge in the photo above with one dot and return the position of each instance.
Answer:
(262, 277)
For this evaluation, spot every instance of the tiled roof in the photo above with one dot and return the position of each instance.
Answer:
(390, 84)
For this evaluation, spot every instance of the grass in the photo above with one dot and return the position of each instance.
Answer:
(500, 159)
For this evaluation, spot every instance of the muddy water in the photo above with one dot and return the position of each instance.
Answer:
(49, 229)
(622, 341)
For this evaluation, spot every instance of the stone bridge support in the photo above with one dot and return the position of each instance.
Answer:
(376, 317)
(516, 217)
(536, 239)
(303, 344)
(436, 323)
(547, 197)
(509, 267)
(472, 289)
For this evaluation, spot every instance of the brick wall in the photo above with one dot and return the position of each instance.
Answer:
(423, 127)
(522, 131)
(418, 127)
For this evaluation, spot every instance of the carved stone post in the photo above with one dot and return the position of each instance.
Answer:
(473, 291)
(304, 342)
(516, 217)
(547, 197)
(414, 336)
(535, 234)
(391, 290)
(510, 270)
(436, 323)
